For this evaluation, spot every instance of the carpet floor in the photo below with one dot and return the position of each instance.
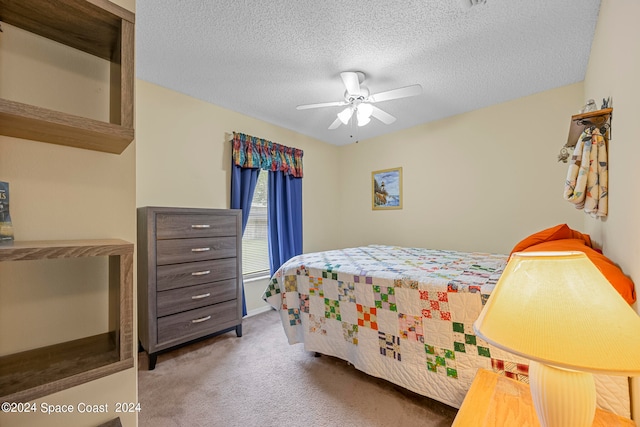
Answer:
(260, 380)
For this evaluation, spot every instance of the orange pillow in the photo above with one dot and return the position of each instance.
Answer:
(560, 231)
(612, 272)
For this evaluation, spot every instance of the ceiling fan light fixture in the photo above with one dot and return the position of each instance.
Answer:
(363, 113)
(345, 115)
(363, 120)
(365, 109)
(360, 102)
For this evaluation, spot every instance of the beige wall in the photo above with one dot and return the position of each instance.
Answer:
(184, 159)
(478, 181)
(62, 193)
(614, 67)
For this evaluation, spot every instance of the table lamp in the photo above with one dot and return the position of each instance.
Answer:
(559, 311)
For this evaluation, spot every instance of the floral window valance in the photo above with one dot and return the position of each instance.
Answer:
(252, 152)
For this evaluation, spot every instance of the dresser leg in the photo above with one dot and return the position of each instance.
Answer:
(238, 330)
(153, 358)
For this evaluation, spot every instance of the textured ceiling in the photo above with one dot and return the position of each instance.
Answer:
(262, 58)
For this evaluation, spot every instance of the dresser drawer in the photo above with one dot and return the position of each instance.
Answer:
(186, 250)
(173, 276)
(179, 226)
(198, 322)
(183, 299)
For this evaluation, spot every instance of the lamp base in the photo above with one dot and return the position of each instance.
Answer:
(562, 397)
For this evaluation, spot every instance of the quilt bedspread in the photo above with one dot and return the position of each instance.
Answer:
(402, 314)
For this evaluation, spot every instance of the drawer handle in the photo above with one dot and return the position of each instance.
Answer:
(208, 294)
(202, 319)
(201, 273)
(198, 226)
(200, 249)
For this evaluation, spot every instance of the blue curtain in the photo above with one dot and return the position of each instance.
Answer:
(243, 184)
(284, 212)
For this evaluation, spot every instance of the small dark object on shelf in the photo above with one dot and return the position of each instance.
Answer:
(6, 227)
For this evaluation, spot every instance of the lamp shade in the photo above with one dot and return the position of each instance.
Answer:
(557, 308)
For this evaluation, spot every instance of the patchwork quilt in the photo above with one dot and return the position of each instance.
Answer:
(402, 314)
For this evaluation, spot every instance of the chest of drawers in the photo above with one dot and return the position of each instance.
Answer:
(189, 275)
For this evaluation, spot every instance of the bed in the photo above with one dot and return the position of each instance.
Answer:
(404, 315)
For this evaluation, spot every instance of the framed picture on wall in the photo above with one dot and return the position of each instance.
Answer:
(386, 189)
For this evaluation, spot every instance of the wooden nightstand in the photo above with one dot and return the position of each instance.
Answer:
(494, 400)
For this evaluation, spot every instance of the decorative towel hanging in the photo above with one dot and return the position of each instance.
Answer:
(586, 185)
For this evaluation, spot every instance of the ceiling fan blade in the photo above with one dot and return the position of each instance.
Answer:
(335, 124)
(322, 104)
(351, 82)
(383, 116)
(402, 92)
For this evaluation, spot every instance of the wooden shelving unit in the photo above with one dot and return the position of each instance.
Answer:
(105, 30)
(35, 373)
(99, 28)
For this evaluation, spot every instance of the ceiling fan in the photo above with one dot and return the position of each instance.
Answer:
(358, 100)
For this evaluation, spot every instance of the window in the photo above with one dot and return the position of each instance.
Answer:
(255, 252)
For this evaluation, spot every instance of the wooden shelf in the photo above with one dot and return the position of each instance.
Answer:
(51, 249)
(99, 28)
(112, 423)
(40, 124)
(598, 118)
(27, 375)
(92, 26)
(35, 373)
